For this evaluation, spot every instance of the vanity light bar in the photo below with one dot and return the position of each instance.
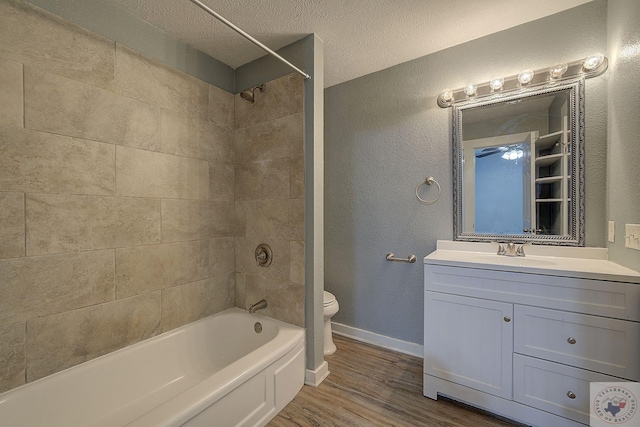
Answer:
(591, 66)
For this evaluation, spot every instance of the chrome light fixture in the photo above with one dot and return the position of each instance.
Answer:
(592, 66)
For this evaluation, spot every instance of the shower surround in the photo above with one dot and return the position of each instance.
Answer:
(118, 205)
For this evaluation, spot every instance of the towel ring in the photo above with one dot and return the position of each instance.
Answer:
(428, 181)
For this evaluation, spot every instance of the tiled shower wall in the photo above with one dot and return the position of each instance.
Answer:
(269, 198)
(116, 196)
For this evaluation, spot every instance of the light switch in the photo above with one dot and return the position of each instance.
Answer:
(612, 231)
(632, 236)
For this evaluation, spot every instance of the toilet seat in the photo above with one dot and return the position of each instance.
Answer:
(329, 298)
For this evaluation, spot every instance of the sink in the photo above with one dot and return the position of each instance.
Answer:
(507, 260)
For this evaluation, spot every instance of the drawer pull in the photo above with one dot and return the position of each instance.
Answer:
(571, 395)
(507, 319)
(571, 340)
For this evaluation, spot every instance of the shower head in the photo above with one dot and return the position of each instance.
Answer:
(249, 94)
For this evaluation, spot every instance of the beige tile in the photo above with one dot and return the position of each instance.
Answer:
(285, 301)
(263, 180)
(193, 219)
(239, 145)
(32, 36)
(194, 301)
(66, 107)
(221, 181)
(11, 93)
(39, 286)
(61, 223)
(147, 174)
(241, 286)
(220, 107)
(297, 93)
(12, 225)
(150, 81)
(273, 103)
(278, 219)
(221, 256)
(148, 268)
(219, 142)
(279, 268)
(12, 356)
(297, 178)
(297, 262)
(275, 139)
(67, 339)
(40, 162)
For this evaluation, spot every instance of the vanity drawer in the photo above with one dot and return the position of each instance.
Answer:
(609, 346)
(559, 389)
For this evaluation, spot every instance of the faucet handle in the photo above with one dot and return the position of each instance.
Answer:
(520, 250)
(501, 249)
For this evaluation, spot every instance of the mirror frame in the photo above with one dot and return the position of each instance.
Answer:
(577, 123)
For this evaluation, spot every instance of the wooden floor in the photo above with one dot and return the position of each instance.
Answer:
(371, 386)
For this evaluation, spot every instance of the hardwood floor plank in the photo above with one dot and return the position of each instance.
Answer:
(371, 386)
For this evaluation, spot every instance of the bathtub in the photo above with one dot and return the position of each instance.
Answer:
(219, 371)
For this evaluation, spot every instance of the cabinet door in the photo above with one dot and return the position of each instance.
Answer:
(469, 341)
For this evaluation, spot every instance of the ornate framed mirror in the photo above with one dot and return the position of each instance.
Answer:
(518, 166)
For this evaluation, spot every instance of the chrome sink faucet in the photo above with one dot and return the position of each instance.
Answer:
(510, 249)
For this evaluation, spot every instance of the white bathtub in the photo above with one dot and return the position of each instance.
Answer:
(214, 372)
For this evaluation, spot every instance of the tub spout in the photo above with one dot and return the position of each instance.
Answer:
(258, 306)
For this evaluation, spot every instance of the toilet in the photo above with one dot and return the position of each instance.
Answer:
(331, 307)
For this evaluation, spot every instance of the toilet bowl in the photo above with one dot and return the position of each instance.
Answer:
(331, 307)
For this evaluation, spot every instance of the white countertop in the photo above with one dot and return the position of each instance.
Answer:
(587, 263)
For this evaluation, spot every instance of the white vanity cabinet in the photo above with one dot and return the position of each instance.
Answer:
(525, 343)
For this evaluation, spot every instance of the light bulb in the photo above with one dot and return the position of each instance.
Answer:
(556, 71)
(525, 77)
(446, 95)
(496, 83)
(513, 154)
(471, 89)
(592, 62)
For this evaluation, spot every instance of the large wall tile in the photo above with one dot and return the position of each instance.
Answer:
(297, 261)
(31, 36)
(192, 219)
(221, 181)
(60, 223)
(271, 104)
(190, 136)
(39, 286)
(11, 94)
(40, 162)
(263, 180)
(63, 340)
(66, 107)
(148, 268)
(221, 256)
(194, 301)
(12, 356)
(279, 268)
(221, 107)
(297, 178)
(279, 219)
(285, 300)
(297, 93)
(147, 174)
(151, 81)
(12, 225)
(274, 139)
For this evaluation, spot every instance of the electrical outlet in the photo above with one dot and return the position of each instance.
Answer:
(632, 236)
(612, 231)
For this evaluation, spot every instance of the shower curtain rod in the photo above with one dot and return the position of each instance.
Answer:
(247, 36)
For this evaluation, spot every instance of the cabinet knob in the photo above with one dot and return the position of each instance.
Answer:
(507, 319)
(571, 395)
(571, 340)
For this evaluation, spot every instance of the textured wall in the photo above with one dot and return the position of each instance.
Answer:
(384, 134)
(623, 184)
(269, 198)
(116, 196)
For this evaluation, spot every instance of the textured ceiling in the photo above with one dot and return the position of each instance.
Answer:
(360, 36)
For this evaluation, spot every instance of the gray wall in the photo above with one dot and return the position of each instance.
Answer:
(623, 186)
(384, 134)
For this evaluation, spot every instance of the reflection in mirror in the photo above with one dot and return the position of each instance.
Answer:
(518, 167)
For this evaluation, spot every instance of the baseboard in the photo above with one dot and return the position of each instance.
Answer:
(412, 349)
(314, 378)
